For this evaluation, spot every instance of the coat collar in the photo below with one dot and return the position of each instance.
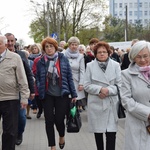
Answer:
(133, 70)
(105, 77)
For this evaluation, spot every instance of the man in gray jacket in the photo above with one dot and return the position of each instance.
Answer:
(12, 81)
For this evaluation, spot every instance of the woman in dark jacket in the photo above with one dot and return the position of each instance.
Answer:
(55, 84)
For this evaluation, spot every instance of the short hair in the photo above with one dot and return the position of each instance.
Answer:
(102, 44)
(93, 40)
(136, 48)
(4, 39)
(111, 47)
(49, 40)
(73, 39)
(62, 42)
(9, 34)
(82, 46)
(26, 52)
(134, 41)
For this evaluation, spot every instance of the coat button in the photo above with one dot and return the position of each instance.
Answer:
(148, 86)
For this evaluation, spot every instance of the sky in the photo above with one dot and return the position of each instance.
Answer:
(15, 17)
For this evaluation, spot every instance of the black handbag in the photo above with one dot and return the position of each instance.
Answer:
(121, 110)
(74, 121)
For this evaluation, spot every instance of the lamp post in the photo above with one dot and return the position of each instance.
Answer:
(126, 24)
(48, 26)
(47, 16)
(58, 18)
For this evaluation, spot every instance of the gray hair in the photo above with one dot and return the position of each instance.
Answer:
(4, 39)
(82, 47)
(137, 47)
(73, 39)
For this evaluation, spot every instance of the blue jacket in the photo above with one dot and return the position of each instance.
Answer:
(67, 84)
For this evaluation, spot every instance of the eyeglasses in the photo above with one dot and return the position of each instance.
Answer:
(144, 57)
(104, 52)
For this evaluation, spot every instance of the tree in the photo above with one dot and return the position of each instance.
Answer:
(114, 29)
(69, 16)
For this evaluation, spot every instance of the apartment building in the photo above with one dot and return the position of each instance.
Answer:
(137, 10)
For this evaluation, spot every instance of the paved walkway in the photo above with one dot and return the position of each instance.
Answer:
(34, 137)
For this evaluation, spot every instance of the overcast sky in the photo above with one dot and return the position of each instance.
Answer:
(16, 18)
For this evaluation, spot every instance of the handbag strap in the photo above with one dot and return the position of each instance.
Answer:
(119, 97)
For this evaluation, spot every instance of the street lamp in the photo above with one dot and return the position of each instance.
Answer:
(58, 17)
(47, 18)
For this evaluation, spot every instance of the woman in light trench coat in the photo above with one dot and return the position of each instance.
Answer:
(100, 77)
(135, 94)
(77, 64)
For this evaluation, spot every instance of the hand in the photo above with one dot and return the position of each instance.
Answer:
(73, 100)
(32, 95)
(80, 87)
(23, 105)
(102, 95)
(104, 91)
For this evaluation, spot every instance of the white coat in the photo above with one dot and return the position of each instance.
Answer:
(135, 94)
(78, 70)
(102, 113)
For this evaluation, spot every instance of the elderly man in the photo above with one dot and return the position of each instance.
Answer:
(11, 41)
(12, 82)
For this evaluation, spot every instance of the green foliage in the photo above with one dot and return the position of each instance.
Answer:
(114, 29)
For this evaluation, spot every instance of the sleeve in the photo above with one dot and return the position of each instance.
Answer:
(137, 109)
(82, 71)
(90, 87)
(22, 81)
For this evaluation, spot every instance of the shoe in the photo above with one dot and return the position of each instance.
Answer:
(38, 115)
(19, 139)
(28, 117)
(80, 110)
(83, 107)
(61, 146)
(34, 111)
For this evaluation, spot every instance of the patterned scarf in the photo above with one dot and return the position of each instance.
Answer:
(145, 72)
(103, 65)
(52, 70)
(72, 54)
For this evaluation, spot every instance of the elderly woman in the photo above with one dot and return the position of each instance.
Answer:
(55, 83)
(100, 78)
(77, 64)
(135, 94)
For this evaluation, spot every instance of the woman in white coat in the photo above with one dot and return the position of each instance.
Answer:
(135, 94)
(100, 78)
(77, 64)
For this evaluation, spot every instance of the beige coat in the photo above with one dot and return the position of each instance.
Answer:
(13, 78)
(135, 94)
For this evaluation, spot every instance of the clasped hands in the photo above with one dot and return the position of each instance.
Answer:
(103, 93)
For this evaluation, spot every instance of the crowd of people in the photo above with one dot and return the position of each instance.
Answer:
(46, 77)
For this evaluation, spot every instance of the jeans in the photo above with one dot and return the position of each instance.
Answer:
(21, 120)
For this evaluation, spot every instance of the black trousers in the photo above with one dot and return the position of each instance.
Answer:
(55, 109)
(9, 114)
(110, 140)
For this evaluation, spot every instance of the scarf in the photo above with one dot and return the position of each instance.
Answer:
(72, 54)
(52, 69)
(103, 65)
(145, 72)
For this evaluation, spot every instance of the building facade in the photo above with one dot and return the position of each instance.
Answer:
(135, 10)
